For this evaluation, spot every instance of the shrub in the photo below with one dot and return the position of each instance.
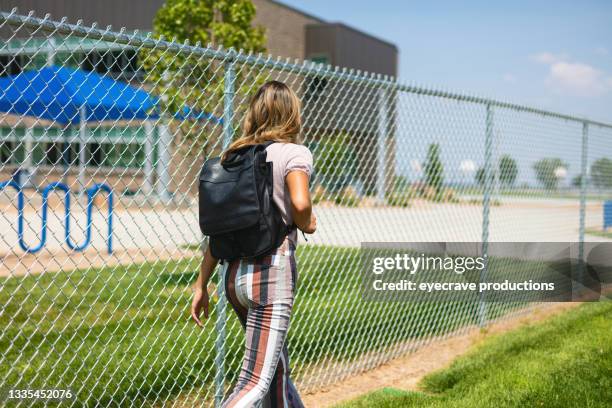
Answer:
(348, 197)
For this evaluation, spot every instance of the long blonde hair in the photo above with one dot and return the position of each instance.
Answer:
(273, 114)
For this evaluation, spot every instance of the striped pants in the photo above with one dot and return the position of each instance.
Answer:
(261, 291)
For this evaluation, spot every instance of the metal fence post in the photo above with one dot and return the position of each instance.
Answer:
(228, 134)
(83, 135)
(28, 160)
(164, 142)
(486, 203)
(583, 193)
(381, 148)
(148, 163)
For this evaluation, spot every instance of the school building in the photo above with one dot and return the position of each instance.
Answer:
(117, 152)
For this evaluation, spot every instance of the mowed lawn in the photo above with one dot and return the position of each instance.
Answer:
(122, 335)
(563, 362)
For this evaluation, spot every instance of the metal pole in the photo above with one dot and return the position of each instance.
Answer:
(29, 153)
(486, 203)
(50, 52)
(228, 134)
(148, 163)
(381, 150)
(82, 146)
(496, 169)
(583, 193)
(163, 162)
(228, 104)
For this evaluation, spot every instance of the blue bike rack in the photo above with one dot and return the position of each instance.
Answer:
(91, 192)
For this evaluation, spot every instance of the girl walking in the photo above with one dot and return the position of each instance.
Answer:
(261, 290)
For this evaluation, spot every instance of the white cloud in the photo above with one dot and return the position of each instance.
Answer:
(575, 78)
(578, 79)
(549, 57)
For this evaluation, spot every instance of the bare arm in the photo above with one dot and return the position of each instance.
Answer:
(200, 297)
(209, 262)
(301, 205)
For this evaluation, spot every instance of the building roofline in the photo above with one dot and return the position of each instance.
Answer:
(358, 31)
(334, 23)
(312, 16)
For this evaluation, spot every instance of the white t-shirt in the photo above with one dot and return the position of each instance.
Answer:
(287, 157)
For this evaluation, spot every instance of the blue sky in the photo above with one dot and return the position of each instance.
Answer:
(551, 54)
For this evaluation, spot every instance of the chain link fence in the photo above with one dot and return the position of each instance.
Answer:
(102, 136)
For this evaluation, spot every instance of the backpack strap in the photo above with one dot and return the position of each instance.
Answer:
(268, 143)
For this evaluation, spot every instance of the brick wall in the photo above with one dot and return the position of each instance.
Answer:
(285, 28)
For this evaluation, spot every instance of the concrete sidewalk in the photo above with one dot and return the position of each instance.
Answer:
(162, 234)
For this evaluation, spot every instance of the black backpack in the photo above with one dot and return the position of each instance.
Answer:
(236, 207)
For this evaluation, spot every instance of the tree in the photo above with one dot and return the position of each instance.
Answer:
(190, 79)
(508, 170)
(400, 183)
(479, 176)
(601, 173)
(433, 169)
(577, 180)
(546, 171)
(217, 22)
(335, 161)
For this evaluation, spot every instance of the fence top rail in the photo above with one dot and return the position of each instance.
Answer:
(136, 39)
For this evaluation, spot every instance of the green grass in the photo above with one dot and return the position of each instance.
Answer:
(563, 362)
(107, 333)
(599, 233)
(123, 335)
(534, 192)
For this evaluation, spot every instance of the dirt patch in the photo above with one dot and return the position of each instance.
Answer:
(405, 372)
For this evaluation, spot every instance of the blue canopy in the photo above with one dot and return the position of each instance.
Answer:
(59, 93)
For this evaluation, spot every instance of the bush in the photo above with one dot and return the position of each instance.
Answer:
(335, 161)
(319, 194)
(348, 197)
(400, 199)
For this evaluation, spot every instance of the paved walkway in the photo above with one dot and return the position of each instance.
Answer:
(160, 234)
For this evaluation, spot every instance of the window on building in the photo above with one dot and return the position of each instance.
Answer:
(316, 85)
(11, 152)
(71, 153)
(6, 152)
(53, 153)
(122, 64)
(131, 60)
(125, 155)
(315, 88)
(92, 62)
(38, 154)
(14, 64)
(319, 58)
(119, 155)
(95, 154)
(62, 154)
(73, 60)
